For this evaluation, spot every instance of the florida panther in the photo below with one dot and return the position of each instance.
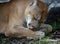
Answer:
(15, 13)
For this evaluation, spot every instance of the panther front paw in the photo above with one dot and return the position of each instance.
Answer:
(38, 35)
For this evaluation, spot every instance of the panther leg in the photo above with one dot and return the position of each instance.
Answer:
(22, 32)
(46, 28)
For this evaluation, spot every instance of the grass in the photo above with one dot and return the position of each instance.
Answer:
(46, 40)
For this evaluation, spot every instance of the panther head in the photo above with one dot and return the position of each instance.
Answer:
(34, 13)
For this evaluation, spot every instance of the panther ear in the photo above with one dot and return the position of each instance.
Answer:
(33, 4)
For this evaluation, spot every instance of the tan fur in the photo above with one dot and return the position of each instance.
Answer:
(12, 18)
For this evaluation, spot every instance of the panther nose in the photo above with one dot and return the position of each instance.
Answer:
(30, 26)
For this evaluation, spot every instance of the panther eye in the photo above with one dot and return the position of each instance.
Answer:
(36, 18)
